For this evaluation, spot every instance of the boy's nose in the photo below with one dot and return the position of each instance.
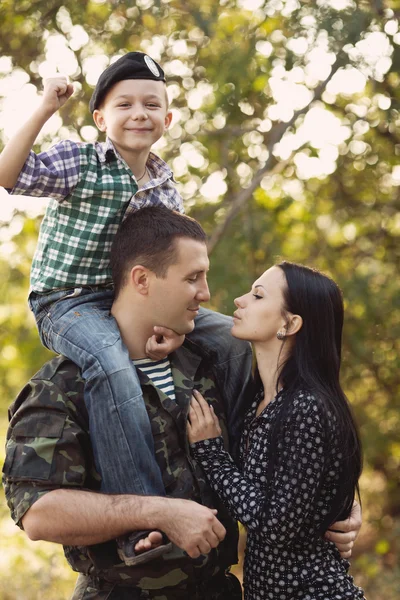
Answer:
(139, 114)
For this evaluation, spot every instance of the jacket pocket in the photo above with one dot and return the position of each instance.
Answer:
(30, 449)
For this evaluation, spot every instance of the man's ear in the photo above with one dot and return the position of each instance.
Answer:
(139, 278)
(98, 118)
(293, 325)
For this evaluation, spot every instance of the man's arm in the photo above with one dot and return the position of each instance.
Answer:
(49, 468)
(344, 533)
(81, 518)
(56, 92)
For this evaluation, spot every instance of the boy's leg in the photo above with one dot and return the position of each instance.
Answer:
(80, 327)
(231, 361)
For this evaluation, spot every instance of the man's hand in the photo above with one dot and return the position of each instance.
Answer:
(56, 92)
(192, 527)
(203, 423)
(344, 533)
(163, 342)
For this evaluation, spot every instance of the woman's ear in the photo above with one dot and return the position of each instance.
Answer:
(294, 324)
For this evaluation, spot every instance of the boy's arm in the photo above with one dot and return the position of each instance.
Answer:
(56, 93)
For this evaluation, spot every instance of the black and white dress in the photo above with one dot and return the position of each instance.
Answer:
(285, 558)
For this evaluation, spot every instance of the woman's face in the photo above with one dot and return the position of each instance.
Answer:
(259, 315)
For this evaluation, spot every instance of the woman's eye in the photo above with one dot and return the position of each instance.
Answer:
(257, 296)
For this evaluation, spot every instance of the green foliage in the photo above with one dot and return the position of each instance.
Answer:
(345, 221)
(31, 570)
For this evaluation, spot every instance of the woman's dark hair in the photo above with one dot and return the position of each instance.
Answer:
(314, 366)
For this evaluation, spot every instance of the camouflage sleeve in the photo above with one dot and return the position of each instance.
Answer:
(45, 447)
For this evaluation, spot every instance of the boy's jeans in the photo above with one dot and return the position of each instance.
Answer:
(78, 324)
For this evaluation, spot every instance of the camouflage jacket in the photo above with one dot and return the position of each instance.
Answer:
(48, 447)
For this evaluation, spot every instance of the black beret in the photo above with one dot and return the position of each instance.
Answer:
(134, 65)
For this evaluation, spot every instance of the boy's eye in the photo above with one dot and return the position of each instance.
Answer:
(123, 104)
(153, 105)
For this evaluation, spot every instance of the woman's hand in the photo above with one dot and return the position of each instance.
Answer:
(202, 422)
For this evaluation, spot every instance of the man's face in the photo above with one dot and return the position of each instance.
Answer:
(175, 299)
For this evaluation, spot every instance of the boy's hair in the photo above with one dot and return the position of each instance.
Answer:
(147, 237)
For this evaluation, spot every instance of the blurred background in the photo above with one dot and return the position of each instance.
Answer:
(285, 143)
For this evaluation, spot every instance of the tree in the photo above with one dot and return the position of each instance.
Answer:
(285, 142)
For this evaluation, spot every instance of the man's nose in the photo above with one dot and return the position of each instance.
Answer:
(203, 294)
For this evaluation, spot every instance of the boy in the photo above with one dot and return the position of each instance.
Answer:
(92, 187)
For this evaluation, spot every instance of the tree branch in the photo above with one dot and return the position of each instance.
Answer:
(276, 134)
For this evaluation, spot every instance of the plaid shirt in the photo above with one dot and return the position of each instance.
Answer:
(91, 189)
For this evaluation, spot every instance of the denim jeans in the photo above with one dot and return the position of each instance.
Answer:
(77, 323)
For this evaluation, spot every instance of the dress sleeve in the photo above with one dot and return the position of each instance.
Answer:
(44, 448)
(278, 513)
(50, 174)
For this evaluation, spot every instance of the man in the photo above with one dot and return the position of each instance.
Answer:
(159, 264)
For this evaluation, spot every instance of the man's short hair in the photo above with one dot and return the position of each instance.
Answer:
(147, 237)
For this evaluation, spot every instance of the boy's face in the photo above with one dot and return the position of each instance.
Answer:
(134, 114)
(174, 300)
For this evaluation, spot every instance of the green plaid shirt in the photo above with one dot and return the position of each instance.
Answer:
(90, 188)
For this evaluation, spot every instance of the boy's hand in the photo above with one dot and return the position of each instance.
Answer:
(163, 343)
(56, 92)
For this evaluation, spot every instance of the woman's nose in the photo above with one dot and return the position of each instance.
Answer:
(238, 302)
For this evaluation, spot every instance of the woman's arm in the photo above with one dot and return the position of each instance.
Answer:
(280, 514)
(246, 502)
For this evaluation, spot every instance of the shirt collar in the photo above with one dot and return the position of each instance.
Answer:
(104, 149)
(157, 166)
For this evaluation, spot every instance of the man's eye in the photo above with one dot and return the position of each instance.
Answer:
(192, 280)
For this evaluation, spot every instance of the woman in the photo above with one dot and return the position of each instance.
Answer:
(300, 455)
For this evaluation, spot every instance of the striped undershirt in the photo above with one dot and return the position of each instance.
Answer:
(159, 371)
